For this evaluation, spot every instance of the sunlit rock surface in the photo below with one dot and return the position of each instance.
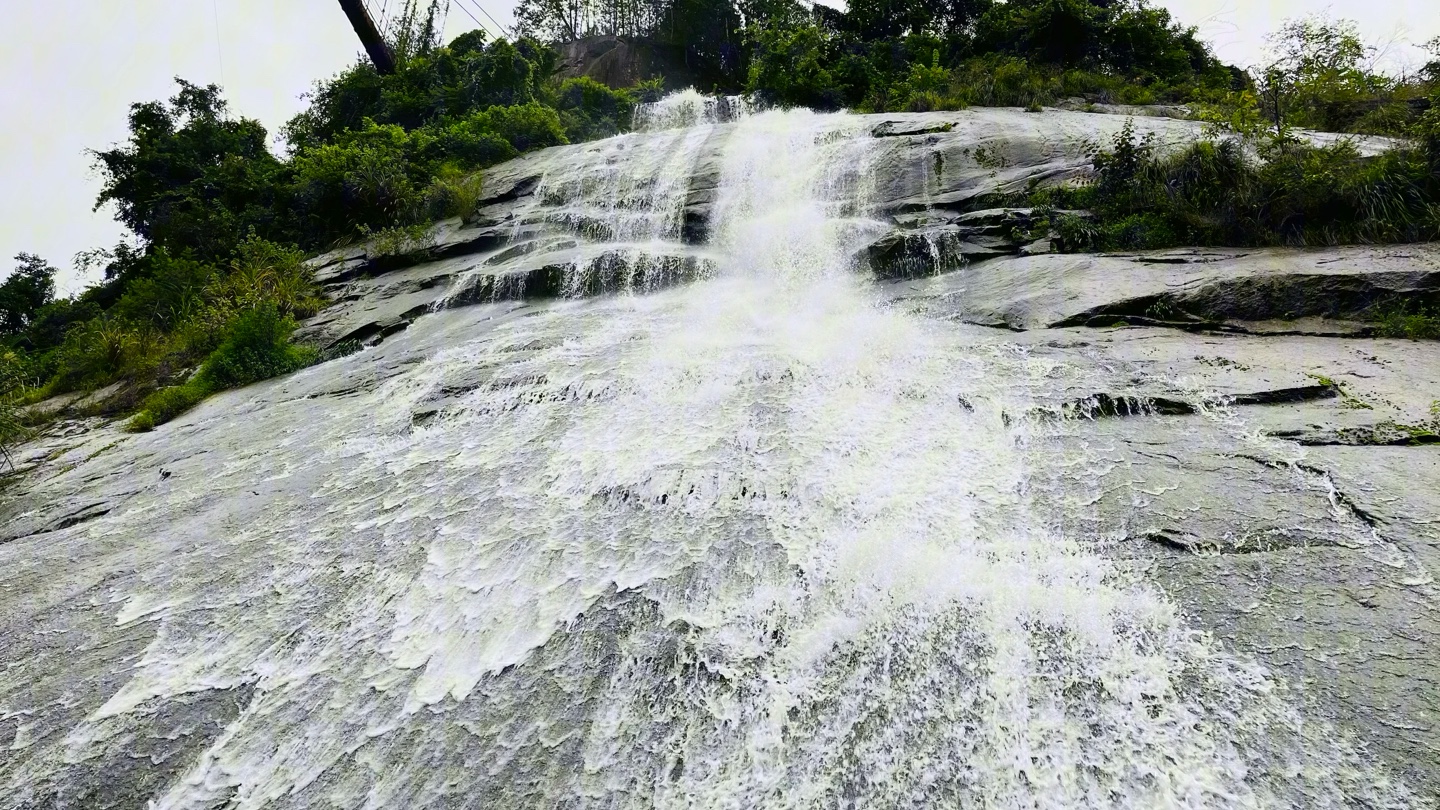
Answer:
(643, 491)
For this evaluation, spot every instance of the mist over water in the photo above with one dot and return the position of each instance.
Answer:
(756, 541)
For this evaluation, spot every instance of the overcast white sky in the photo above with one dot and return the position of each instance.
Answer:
(71, 68)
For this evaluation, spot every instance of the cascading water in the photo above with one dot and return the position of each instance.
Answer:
(756, 541)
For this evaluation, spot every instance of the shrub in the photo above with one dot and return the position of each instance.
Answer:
(526, 126)
(1402, 322)
(97, 352)
(592, 110)
(454, 193)
(265, 272)
(790, 67)
(367, 179)
(168, 403)
(256, 348)
(467, 144)
(1289, 193)
(12, 428)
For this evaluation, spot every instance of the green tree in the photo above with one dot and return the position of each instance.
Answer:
(1318, 69)
(886, 19)
(25, 293)
(791, 67)
(190, 176)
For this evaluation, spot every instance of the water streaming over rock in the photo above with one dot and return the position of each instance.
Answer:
(756, 541)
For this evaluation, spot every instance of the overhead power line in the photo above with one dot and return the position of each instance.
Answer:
(473, 17)
(499, 30)
(498, 26)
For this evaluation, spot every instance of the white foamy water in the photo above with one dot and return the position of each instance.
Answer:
(755, 542)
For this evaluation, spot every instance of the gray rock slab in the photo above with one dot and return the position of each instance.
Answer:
(1244, 289)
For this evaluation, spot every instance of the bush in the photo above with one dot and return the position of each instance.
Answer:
(790, 67)
(263, 272)
(256, 348)
(97, 352)
(467, 144)
(590, 110)
(168, 403)
(369, 178)
(525, 126)
(454, 193)
(12, 429)
(1402, 322)
(1290, 193)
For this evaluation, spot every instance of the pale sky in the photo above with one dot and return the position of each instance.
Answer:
(71, 69)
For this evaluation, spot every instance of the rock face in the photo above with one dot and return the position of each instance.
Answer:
(244, 606)
(621, 62)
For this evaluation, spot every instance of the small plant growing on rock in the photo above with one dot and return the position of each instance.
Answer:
(1402, 322)
(402, 240)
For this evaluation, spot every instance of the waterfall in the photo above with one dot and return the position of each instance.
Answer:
(757, 541)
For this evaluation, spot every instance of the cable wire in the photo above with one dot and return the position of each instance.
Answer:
(498, 26)
(219, 51)
(482, 25)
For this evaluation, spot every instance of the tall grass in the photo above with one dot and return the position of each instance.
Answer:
(12, 429)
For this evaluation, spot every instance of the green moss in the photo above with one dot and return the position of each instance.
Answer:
(1347, 400)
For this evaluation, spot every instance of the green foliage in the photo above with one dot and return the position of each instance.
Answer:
(1406, 322)
(256, 347)
(454, 193)
(591, 110)
(401, 241)
(190, 177)
(1320, 76)
(1427, 132)
(899, 55)
(790, 67)
(1290, 193)
(25, 294)
(466, 144)
(170, 291)
(221, 223)
(527, 126)
(12, 428)
(168, 403)
(368, 178)
(701, 34)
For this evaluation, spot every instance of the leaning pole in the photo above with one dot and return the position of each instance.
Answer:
(369, 35)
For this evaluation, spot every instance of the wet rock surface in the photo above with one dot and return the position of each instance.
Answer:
(1232, 434)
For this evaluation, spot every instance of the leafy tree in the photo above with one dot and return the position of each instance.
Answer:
(887, 19)
(25, 293)
(1431, 71)
(1318, 68)
(367, 178)
(190, 176)
(791, 67)
(592, 110)
(1057, 32)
